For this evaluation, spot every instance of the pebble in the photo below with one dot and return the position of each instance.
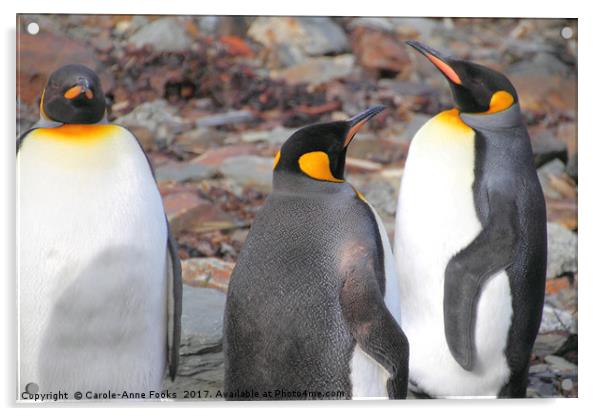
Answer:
(207, 272)
(561, 365)
(182, 172)
(276, 136)
(164, 35)
(253, 171)
(562, 251)
(567, 384)
(311, 35)
(555, 319)
(201, 357)
(224, 119)
(315, 71)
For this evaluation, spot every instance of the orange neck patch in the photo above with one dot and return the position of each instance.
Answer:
(316, 165)
(452, 119)
(77, 132)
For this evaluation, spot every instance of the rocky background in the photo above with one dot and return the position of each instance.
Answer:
(211, 99)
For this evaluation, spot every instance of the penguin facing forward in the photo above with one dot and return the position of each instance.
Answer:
(470, 241)
(99, 281)
(312, 308)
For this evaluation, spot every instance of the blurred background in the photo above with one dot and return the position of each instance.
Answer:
(212, 98)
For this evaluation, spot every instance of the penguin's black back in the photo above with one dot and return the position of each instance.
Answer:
(283, 326)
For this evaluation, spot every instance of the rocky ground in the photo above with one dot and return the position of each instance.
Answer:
(212, 98)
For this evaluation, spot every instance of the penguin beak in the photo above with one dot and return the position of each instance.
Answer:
(437, 59)
(81, 88)
(357, 121)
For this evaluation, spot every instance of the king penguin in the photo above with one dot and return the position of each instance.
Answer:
(312, 309)
(470, 240)
(99, 281)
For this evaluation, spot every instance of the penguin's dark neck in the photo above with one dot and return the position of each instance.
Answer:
(507, 119)
(299, 184)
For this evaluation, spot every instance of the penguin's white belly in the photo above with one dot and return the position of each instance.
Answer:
(436, 218)
(368, 378)
(92, 265)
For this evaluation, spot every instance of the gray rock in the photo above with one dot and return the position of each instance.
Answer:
(550, 169)
(311, 35)
(201, 356)
(181, 172)
(562, 251)
(276, 136)
(542, 63)
(560, 365)
(406, 87)
(208, 24)
(424, 27)
(202, 318)
(541, 388)
(383, 24)
(223, 119)
(224, 25)
(547, 147)
(538, 368)
(381, 196)
(158, 117)
(554, 319)
(123, 27)
(546, 344)
(567, 384)
(164, 35)
(202, 136)
(285, 55)
(252, 171)
(315, 71)
(572, 167)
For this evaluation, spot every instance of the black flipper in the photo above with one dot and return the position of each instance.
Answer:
(527, 282)
(468, 271)
(174, 304)
(372, 325)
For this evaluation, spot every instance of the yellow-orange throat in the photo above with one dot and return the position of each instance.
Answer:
(451, 119)
(83, 133)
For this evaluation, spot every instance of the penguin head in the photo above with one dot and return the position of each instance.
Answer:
(73, 95)
(476, 89)
(318, 151)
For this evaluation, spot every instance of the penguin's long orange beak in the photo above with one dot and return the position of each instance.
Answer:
(438, 60)
(357, 121)
(77, 90)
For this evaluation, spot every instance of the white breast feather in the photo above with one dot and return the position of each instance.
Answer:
(92, 266)
(436, 218)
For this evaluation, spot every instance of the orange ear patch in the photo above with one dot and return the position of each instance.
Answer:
(276, 159)
(316, 165)
(73, 92)
(500, 101)
(445, 68)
